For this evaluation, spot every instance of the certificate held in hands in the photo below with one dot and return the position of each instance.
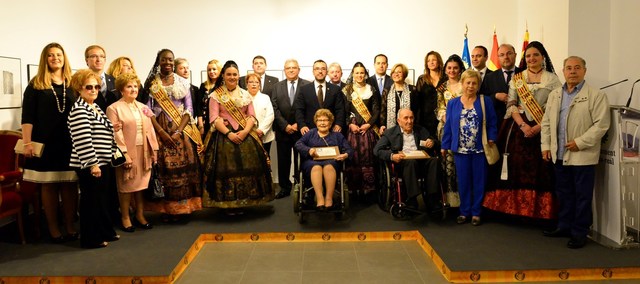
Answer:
(416, 154)
(37, 148)
(326, 153)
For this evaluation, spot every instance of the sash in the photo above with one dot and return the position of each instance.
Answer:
(223, 97)
(526, 96)
(170, 109)
(363, 111)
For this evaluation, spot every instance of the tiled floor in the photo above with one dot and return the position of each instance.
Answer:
(313, 262)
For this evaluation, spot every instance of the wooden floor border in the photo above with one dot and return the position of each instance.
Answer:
(573, 274)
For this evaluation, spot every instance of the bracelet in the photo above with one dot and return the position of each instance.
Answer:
(228, 132)
(522, 125)
(27, 144)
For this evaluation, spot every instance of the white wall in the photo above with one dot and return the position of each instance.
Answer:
(334, 30)
(27, 26)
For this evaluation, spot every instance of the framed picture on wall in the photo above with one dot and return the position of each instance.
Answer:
(32, 70)
(10, 83)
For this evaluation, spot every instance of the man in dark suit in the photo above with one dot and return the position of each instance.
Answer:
(479, 56)
(259, 67)
(405, 137)
(495, 84)
(96, 58)
(335, 75)
(284, 123)
(316, 95)
(380, 79)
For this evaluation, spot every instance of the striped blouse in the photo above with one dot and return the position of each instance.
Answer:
(91, 136)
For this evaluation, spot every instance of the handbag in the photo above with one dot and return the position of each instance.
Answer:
(118, 159)
(37, 148)
(453, 198)
(155, 190)
(490, 151)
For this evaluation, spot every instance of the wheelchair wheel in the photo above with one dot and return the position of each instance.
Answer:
(346, 199)
(296, 198)
(384, 194)
(300, 217)
(397, 211)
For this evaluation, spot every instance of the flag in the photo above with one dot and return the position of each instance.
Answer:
(494, 63)
(525, 42)
(466, 58)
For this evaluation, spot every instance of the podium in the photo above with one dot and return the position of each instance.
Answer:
(616, 203)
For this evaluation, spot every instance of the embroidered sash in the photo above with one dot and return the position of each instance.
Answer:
(363, 111)
(527, 97)
(224, 98)
(170, 109)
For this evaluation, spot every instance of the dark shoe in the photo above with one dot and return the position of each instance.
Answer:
(113, 238)
(129, 229)
(321, 208)
(576, 243)
(95, 246)
(461, 219)
(146, 226)
(557, 233)
(283, 194)
(72, 237)
(475, 221)
(58, 240)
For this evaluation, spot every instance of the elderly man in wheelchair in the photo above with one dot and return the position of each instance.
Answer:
(403, 148)
(322, 170)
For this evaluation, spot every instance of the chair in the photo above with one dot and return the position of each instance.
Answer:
(11, 178)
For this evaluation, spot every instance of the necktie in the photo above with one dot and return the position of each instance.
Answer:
(508, 75)
(103, 84)
(320, 95)
(380, 85)
(292, 92)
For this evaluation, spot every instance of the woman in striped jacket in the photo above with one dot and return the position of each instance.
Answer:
(93, 145)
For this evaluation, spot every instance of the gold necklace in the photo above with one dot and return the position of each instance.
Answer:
(64, 96)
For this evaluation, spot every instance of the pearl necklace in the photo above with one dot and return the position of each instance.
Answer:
(64, 96)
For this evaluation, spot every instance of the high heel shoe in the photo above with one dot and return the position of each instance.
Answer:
(58, 240)
(129, 229)
(146, 226)
(95, 246)
(72, 237)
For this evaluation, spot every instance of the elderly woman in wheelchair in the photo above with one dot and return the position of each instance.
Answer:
(404, 146)
(319, 164)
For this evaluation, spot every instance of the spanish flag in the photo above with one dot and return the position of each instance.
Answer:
(494, 63)
(525, 43)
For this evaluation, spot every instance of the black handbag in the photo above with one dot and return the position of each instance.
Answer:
(118, 159)
(155, 190)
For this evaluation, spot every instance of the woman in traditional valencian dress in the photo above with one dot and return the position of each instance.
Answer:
(449, 89)
(525, 186)
(236, 166)
(363, 111)
(178, 139)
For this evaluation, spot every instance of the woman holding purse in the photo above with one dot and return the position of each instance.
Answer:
(138, 142)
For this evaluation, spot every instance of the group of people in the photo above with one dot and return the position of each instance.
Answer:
(210, 145)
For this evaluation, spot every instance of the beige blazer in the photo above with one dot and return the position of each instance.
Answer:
(126, 137)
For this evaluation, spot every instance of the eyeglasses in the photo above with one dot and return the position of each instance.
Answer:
(91, 87)
(95, 56)
(506, 54)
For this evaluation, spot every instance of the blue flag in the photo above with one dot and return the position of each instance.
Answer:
(466, 58)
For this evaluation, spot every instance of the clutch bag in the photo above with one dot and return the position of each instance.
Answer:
(38, 148)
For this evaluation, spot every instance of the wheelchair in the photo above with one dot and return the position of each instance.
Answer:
(303, 196)
(393, 198)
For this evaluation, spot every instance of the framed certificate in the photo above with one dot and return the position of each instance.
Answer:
(326, 153)
(417, 154)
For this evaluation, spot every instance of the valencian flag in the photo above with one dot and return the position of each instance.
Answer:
(466, 58)
(494, 63)
(525, 42)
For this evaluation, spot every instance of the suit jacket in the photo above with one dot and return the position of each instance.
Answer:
(391, 141)
(494, 83)
(387, 83)
(341, 85)
(267, 86)
(126, 137)
(306, 104)
(283, 110)
(110, 96)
